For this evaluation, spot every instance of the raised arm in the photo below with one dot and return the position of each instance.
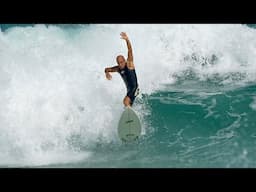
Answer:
(129, 46)
(110, 69)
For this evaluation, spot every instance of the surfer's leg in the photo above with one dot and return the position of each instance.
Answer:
(131, 95)
(127, 101)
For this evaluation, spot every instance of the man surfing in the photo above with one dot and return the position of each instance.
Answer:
(126, 69)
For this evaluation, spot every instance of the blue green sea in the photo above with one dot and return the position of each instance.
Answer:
(197, 101)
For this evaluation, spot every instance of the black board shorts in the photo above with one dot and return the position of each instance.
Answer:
(133, 93)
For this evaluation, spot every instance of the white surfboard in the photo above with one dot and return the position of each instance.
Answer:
(129, 127)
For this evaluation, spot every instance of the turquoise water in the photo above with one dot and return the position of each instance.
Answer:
(197, 103)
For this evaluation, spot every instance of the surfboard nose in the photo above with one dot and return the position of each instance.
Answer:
(129, 127)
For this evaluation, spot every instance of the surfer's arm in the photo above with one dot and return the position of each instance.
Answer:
(110, 69)
(130, 63)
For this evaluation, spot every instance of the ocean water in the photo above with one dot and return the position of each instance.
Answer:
(197, 101)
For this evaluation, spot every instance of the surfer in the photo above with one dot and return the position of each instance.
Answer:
(126, 69)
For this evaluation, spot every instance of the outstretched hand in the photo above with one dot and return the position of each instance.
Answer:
(108, 76)
(124, 36)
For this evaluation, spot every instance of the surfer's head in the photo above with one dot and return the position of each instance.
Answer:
(121, 61)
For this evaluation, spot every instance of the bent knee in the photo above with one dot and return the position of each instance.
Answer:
(126, 100)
